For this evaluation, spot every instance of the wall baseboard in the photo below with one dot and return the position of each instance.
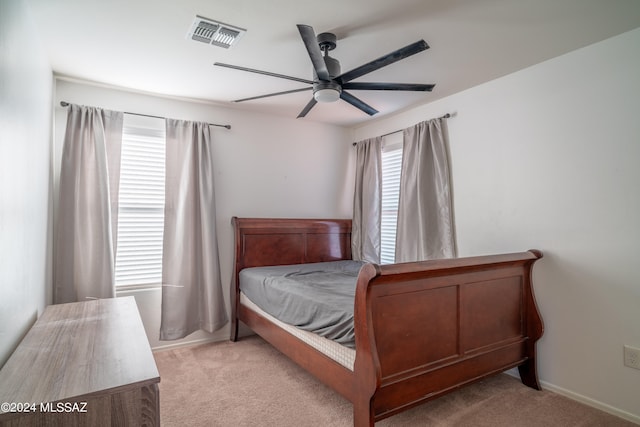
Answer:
(243, 332)
(184, 344)
(591, 402)
(583, 399)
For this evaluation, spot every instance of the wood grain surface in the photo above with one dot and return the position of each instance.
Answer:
(94, 354)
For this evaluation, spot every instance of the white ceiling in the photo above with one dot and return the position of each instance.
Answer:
(142, 45)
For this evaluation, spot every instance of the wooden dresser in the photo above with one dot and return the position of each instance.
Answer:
(82, 364)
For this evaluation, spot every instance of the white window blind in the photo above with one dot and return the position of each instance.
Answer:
(391, 165)
(141, 202)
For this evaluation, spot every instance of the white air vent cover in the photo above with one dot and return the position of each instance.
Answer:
(216, 33)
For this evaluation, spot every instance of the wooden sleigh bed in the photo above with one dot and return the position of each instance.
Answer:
(422, 329)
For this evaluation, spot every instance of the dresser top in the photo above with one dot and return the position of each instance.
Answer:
(79, 349)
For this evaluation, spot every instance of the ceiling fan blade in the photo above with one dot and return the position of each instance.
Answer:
(272, 94)
(358, 103)
(383, 61)
(311, 43)
(266, 73)
(307, 108)
(416, 87)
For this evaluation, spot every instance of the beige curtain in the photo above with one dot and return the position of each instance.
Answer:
(86, 229)
(192, 296)
(425, 227)
(365, 232)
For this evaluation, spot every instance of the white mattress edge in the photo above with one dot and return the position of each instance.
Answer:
(345, 356)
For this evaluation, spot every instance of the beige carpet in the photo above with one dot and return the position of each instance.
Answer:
(249, 383)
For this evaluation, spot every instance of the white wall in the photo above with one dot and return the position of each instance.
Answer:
(25, 139)
(267, 166)
(548, 158)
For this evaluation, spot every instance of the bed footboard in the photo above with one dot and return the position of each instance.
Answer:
(424, 329)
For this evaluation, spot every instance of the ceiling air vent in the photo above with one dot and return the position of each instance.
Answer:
(215, 33)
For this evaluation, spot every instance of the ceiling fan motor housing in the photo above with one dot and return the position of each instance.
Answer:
(322, 85)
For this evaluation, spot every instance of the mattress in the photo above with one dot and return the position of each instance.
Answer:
(343, 355)
(316, 297)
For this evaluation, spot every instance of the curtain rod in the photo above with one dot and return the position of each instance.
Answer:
(66, 104)
(446, 116)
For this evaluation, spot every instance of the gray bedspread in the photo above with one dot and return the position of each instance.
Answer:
(315, 297)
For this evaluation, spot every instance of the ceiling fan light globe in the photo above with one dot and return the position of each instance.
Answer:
(326, 95)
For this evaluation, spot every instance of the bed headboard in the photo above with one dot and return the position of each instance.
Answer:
(281, 241)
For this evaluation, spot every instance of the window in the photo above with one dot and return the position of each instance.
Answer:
(391, 165)
(141, 202)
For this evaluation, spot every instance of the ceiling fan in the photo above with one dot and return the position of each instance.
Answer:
(328, 83)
